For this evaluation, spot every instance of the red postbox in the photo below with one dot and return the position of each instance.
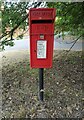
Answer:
(41, 22)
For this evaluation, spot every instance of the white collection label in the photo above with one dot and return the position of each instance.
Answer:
(41, 48)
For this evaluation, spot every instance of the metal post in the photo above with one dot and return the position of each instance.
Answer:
(41, 84)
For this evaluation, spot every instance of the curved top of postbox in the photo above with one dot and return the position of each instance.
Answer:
(42, 13)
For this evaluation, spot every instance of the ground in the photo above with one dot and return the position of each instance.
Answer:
(63, 83)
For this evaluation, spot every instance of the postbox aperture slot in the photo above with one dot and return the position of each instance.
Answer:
(41, 21)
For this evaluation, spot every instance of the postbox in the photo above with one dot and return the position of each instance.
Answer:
(41, 23)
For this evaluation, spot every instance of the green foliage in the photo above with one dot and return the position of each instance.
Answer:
(10, 43)
(69, 17)
(13, 14)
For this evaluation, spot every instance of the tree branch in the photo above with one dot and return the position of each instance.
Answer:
(23, 19)
(74, 43)
(72, 46)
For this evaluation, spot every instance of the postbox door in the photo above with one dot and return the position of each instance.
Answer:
(39, 58)
(41, 48)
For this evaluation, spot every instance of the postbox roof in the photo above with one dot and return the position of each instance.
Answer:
(42, 13)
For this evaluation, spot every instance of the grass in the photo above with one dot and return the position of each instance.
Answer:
(62, 88)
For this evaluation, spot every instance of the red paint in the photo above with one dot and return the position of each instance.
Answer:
(41, 21)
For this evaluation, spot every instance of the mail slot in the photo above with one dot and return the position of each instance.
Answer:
(41, 23)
